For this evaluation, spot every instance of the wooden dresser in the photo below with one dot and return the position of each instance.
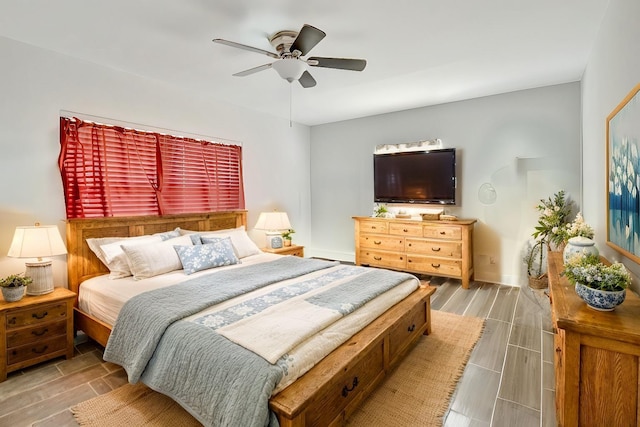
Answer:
(597, 354)
(439, 248)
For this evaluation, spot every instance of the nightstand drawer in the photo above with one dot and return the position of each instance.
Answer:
(18, 337)
(35, 315)
(34, 350)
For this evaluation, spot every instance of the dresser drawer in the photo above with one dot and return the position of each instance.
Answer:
(453, 232)
(35, 350)
(439, 248)
(374, 227)
(18, 337)
(383, 259)
(346, 388)
(382, 241)
(437, 266)
(36, 314)
(410, 325)
(406, 229)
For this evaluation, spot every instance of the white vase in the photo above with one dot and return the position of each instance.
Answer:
(579, 245)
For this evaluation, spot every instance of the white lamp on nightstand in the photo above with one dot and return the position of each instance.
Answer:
(273, 223)
(37, 242)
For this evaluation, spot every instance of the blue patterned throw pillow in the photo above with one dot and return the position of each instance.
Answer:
(218, 253)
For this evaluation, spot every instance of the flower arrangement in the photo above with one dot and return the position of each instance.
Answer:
(553, 219)
(380, 210)
(589, 271)
(15, 281)
(578, 228)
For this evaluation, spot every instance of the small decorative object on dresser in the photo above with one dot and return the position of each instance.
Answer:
(13, 287)
(601, 286)
(35, 329)
(579, 245)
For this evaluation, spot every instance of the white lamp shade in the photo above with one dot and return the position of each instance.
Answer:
(37, 242)
(290, 69)
(273, 221)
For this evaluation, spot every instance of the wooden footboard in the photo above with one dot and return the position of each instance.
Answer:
(333, 389)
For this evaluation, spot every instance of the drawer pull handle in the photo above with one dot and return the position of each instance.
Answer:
(377, 242)
(377, 258)
(346, 390)
(435, 249)
(39, 316)
(373, 227)
(443, 232)
(558, 350)
(404, 230)
(411, 328)
(435, 265)
(44, 348)
(40, 332)
(13, 320)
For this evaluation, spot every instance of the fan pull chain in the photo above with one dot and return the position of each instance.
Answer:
(290, 102)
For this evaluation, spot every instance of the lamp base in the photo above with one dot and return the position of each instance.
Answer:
(41, 275)
(274, 239)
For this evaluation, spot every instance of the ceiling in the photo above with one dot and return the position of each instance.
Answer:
(418, 52)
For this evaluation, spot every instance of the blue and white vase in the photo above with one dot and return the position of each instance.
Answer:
(579, 245)
(600, 300)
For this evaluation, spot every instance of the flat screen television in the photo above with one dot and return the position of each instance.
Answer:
(416, 177)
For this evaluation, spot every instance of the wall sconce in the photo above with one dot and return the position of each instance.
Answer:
(273, 223)
(37, 241)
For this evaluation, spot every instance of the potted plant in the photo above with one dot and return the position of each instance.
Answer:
(13, 287)
(380, 210)
(534, 259)
(286, 236)
(601, 286)
(578, 237)
(552, 220)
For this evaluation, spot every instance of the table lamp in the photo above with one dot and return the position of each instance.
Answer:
(273, 223)
(37, 241)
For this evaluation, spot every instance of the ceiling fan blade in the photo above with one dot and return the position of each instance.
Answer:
(252, 70)
(306, 80)
(307, 38)
(245, 47)
(339, 63)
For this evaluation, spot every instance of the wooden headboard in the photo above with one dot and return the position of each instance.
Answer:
(82, 264)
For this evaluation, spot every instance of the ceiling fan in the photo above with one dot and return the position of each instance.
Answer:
(291, 46)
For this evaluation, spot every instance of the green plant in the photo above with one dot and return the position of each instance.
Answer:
(534, 259)
(15, 281)
(286, 235)
(591, 272)
(553, 219)
(380, 210)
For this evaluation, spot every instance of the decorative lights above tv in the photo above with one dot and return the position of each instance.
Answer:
(425, 176)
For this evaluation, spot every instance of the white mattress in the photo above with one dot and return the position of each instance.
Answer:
(103, 298)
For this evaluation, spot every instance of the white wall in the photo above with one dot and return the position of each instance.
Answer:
(36, 85)
(612, 71)
(526, 144)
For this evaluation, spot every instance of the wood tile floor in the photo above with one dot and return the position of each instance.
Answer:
(508, 381)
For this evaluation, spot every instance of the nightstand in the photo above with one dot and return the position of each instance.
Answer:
(35, 329)
(287, 250)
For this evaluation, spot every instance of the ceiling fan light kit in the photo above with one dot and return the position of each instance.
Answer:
(291, 47)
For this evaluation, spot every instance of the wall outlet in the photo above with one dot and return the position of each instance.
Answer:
(492, 259)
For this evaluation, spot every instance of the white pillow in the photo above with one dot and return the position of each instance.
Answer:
(115, 257)
(151, 259)
(116, 261)
(243, 246)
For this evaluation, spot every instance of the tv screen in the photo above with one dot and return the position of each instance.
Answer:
(416, 177)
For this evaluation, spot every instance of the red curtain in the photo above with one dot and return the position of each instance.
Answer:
(115, 171)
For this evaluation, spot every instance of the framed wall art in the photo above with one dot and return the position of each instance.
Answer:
(623, 176)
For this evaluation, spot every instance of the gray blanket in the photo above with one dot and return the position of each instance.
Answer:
(147, 338)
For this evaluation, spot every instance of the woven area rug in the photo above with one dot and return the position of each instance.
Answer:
(416, 393)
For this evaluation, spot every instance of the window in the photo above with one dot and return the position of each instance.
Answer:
(115, 171)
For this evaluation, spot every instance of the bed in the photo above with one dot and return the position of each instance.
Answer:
(328, 392)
